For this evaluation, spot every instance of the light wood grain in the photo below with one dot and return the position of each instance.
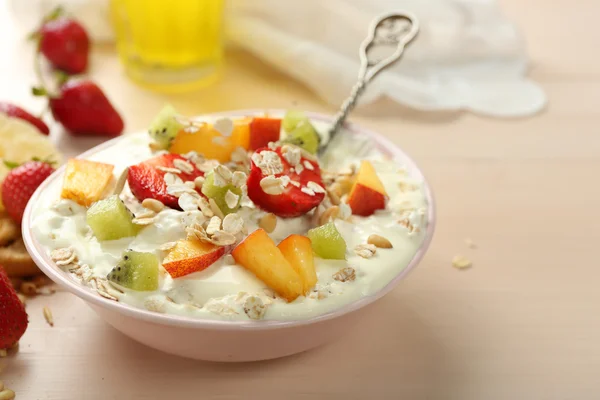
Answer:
(521, 324)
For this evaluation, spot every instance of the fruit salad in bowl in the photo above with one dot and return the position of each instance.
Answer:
(230, 229)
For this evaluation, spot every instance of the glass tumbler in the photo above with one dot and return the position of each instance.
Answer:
(170, 45)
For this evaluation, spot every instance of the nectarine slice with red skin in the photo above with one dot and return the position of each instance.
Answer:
(263, 131)
(368, 193)
(190, 256)
(297, 249)
(259, 255)
(85, 181)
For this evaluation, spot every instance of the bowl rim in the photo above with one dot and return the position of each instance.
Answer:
(44, 262)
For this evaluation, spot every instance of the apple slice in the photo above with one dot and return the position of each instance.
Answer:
(367, 194)
(258, 254)
(297, 249)
(85, 181)
(190, 256)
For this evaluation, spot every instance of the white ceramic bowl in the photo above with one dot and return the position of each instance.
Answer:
(227, 340)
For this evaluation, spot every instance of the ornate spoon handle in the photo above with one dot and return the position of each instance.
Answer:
(394, 30)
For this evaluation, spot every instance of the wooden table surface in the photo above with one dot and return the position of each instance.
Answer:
(522, 323)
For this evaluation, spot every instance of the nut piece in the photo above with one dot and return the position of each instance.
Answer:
(379, 241)
(254, 307)
(333, 197)
(330, 214)
(143, 221)
(346, 274)
(48, 316)
(153, 205)
(121, 181)
(470, 243)
(365, 250)
(461, 262)
(268, 222)
(28, 288)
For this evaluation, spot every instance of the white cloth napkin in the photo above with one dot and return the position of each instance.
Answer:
(467, 55)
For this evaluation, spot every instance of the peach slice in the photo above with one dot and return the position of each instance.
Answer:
(367, 194)
(212, 144)
(297, 249)
(190, 256)
(85, 181)
(258, 254)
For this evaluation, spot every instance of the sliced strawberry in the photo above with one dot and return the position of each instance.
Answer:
(293, 202)
(263, 131)
(147, 181)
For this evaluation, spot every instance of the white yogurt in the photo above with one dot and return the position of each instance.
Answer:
(220, 291)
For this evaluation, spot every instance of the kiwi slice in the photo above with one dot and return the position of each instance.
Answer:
(165, 127)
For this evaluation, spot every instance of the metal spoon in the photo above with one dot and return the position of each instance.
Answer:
(396, 29)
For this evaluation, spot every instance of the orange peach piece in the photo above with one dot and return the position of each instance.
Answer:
(368, 193)
(258, 254)
(86, 181)
(212, 144)
(190, 256)
(297, 249)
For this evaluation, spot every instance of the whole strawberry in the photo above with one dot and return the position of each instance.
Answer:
(64, 42)
(15, 111)
(83, 109)
(13, 318)
(19, 185)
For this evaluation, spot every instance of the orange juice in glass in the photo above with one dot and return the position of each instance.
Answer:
(170, 45)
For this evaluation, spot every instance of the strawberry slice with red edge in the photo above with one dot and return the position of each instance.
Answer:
(146, 181)
(303, 192)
